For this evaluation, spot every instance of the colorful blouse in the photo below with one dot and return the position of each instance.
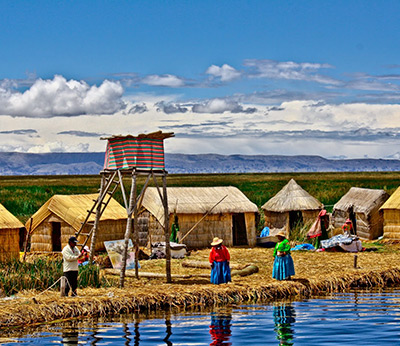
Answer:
(219, 254)
(283, 246)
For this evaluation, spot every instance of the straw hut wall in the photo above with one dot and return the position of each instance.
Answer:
(362, 207)
(234, 219)
(62, 215)
(390, 212)
(10, 228)
(292, 204)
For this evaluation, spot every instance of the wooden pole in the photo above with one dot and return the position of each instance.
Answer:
(27, 239)
(96, 221)
(355, 261)
(136, 231)
(128, 231)
(166, 229)
(202, 218)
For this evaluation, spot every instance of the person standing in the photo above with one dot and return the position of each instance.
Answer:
(283, 267)
(347, 227)
(219, 259)
(71, 255)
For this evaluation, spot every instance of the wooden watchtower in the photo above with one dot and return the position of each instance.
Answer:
(132, 156)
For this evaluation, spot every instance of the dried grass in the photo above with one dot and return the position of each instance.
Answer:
(316, 274)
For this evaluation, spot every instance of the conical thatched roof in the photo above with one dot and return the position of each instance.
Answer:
(393, 202)
(362, 200)
(73, 210)
(8, 220)
(292, 197)
(198, 200)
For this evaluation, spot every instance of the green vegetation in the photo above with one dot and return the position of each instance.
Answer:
(42, 273)
(23, 195)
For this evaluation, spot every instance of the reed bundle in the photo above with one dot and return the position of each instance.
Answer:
(316, 274)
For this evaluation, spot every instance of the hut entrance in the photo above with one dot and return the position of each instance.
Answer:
(239, 229)
(56, 235)
(352, 217)
(295, 218)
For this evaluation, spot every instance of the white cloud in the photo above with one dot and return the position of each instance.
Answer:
(220, 106)
(58, 147)
(59, 97)
(225, 72)
(166, 80)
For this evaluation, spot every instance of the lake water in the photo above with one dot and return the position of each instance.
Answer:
(358, 318)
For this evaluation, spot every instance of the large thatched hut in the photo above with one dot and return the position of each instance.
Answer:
(10, 230)
(361, 206)
(390, 212)
(290, 206)
(233, 219)
(62, 215)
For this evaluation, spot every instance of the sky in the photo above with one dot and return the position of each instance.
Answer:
(227, 77)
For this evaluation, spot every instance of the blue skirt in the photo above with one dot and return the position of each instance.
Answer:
(283, 267)
(220, 273)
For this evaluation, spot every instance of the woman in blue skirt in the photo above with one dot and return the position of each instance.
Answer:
(219, 259)
(283, 264)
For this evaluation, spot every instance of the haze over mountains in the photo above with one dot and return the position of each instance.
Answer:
(92, 163)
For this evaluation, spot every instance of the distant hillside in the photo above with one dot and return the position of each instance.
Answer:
(92, 163)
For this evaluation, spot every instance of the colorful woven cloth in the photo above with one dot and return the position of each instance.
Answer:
(134, 152)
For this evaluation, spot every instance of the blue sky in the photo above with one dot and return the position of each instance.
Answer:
(228, 77)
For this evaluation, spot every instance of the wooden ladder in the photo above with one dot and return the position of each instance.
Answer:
(109, 185)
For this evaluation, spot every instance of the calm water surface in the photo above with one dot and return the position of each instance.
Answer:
(342, 319)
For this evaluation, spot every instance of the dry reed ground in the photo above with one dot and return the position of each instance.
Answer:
(317, 273)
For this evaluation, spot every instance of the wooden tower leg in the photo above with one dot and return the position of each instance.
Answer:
(96, 221)
(132, 203)
(166, 230)
(136, 230)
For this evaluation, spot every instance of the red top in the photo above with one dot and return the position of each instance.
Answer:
(219, 254)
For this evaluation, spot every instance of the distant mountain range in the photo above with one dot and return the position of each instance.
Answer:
(92, 163)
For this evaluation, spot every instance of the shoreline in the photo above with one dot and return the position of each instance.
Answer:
(317, 274)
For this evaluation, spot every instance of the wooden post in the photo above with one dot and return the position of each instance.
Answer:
(355, 261)
(28, 233)
(96, 220)
(132, 200)
(166, 229)
(63, 283)
(136, 230)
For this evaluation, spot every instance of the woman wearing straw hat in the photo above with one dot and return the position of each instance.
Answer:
(283, 267)
(219, 259)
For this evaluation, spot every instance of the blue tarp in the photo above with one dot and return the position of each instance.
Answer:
(304, 246)
(265, 232)
(337, 240)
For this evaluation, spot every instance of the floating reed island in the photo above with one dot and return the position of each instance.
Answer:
(317, 273)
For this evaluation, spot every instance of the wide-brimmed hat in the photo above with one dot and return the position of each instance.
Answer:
(216, 241)
(281, 234)
(86, 248)
(348, 221)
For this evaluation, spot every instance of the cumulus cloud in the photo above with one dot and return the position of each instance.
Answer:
(58, 147)
(289, 70)
(59, 97)
(226, 73)
(138, 108)
(221, 106)
(166, 80)
(170, 108)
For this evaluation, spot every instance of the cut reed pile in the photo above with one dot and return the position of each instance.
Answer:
(316, 274)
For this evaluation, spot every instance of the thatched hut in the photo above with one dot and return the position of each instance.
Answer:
(390, 212)
(290, 206)
(10, 230)
(62, 215)
(233, 219)
(361, 206)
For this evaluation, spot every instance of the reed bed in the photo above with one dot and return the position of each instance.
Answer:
(316, 274)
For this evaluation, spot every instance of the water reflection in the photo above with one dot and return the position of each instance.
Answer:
(220, 328)
(284, 318)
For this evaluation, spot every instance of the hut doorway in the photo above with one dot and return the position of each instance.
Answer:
(239, 229)
(295, 218)
(352, 217)
(56, 235)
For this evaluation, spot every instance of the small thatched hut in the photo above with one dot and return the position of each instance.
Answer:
(62, 215)
(390, 212)
(234, 219)
(10, 230)
(362, 207)
(290, 206)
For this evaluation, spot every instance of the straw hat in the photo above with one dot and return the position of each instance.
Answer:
(216, 241)
(281, 234)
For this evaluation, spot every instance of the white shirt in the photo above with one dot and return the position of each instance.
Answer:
(70, 257)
